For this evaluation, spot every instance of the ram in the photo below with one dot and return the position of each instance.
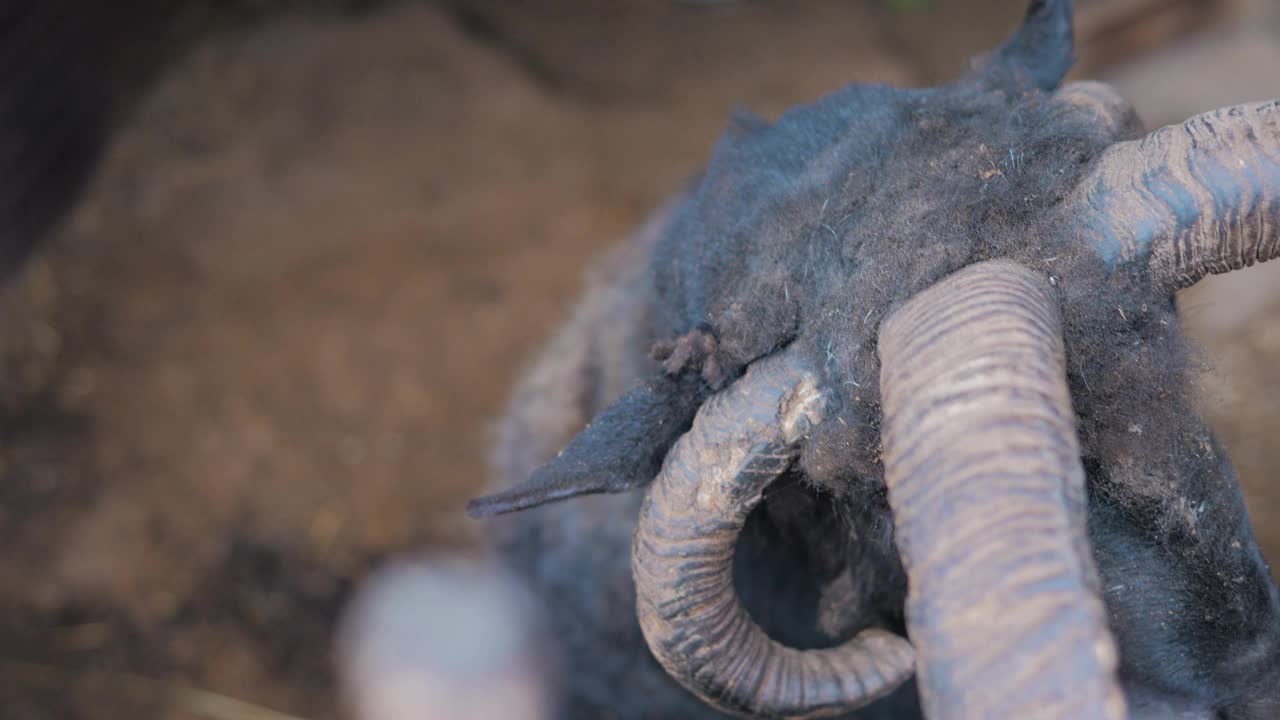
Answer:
(889, 413)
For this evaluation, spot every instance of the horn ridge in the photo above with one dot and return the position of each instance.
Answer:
(682, 561)
(1188, 200)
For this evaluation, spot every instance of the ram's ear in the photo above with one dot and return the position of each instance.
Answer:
(621, 449)
(1038, 55)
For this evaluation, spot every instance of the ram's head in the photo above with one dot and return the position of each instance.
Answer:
(950, 312)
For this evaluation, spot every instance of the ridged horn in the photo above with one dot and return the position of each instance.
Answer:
(987, 492)
(682, 560)
(1188, 200)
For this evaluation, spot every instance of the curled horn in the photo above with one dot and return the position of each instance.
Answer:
(1188, 200)
(682, 560)
(987, 492)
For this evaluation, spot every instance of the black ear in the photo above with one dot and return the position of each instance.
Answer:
(622, 449)
(1039, 54)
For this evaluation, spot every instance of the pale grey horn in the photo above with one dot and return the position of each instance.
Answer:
(987, 492)
(742, 439)
(1188, 200)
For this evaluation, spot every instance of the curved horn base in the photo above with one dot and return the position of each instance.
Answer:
(987, 491)
(682, 561)
(1188, 200)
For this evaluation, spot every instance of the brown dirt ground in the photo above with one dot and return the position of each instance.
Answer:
(267, 348)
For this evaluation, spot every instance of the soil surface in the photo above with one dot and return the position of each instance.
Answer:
(267, 348)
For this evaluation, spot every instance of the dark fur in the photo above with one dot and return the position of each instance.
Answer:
(810, 231)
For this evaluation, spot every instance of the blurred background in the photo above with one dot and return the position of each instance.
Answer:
(265, 344)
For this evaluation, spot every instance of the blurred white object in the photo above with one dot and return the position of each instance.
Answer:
(443, 637)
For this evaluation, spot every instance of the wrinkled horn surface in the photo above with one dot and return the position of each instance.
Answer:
(987, 492)
(1192, 199)
(742, 439)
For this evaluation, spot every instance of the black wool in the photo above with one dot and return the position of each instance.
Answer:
(808, 232)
